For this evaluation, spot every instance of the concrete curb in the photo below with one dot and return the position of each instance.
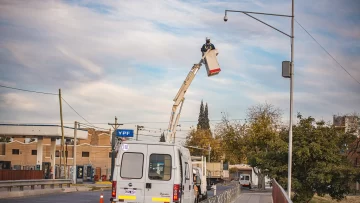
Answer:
(29, 193)
(36, 192)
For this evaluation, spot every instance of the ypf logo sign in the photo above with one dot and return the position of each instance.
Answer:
(124, 133)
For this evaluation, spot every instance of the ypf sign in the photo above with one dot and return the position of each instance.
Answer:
(124, 133)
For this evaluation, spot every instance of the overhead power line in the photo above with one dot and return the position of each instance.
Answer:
(25, 90)
(327, 52)
(91, 125)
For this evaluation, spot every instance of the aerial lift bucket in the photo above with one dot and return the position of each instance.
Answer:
(211, 63)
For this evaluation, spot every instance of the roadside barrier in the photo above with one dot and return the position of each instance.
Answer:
(227, 196)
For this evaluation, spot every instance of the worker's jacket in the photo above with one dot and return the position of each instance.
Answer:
(206, 47)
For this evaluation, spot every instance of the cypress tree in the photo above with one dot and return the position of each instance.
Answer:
(200, 124)
(206, 118)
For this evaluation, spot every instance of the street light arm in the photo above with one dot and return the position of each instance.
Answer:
(270, 14)
(247, 13)
(268, 25)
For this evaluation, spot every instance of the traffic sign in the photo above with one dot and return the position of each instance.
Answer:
(124, 133)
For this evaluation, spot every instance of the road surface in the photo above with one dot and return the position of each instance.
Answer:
(79, 197)
(254, 196)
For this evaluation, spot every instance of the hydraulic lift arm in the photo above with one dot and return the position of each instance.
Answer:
(179, 100)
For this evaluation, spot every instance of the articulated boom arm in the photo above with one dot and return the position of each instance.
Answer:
(179, 100)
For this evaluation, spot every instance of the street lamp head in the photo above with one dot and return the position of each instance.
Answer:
(225, 17)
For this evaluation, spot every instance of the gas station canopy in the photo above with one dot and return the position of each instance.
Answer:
(33, 131)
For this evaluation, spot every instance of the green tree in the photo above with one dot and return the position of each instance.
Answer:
(261, 138)
(231, 136)
(201, 119)
(202, 139)
(162, 137)
(320, 162)
(206, 118)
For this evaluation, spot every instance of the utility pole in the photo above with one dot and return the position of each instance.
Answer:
(137, 131)
(291, 100)
(62, 136)
(74, 155)
(115, 126)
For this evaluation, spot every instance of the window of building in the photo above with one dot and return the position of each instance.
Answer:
(15, 151)
(33, 152)
(132, 165)
(109, 154)
(160, 167)
(57, 153)
(85, 154)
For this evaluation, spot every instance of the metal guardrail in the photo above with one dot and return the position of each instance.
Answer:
(9, 184)
(227, 196)
(278, 193)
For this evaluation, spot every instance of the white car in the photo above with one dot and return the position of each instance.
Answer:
(245, 180)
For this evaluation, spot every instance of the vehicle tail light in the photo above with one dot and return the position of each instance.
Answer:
(113, 192)
(176, 192)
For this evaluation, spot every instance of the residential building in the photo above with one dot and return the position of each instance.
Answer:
(94, 152)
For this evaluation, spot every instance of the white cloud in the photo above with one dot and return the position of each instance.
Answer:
(85, 63)
(18, 101)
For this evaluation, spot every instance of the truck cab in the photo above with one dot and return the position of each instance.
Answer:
(149, 172)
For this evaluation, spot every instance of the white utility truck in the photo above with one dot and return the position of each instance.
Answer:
(149, 172)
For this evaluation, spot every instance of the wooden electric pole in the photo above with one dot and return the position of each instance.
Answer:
(115, 126)
(62, 136)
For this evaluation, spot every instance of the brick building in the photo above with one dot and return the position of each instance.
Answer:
(94, 151)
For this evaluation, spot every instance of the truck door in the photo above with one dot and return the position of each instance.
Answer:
(131, 180)
(187, 186)
(160, 177)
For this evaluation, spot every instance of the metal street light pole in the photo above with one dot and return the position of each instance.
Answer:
(291, 75)
(291, 100)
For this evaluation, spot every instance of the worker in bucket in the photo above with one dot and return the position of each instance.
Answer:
(208, 45)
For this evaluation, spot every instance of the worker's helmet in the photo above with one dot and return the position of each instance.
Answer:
(207, 40)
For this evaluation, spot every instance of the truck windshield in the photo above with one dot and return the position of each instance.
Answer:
(244, 177)
(132, 165)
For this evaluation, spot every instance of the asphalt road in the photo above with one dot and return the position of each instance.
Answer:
(254, 196)
(79, 197)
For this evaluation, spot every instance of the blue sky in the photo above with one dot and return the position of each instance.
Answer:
(129, 58)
